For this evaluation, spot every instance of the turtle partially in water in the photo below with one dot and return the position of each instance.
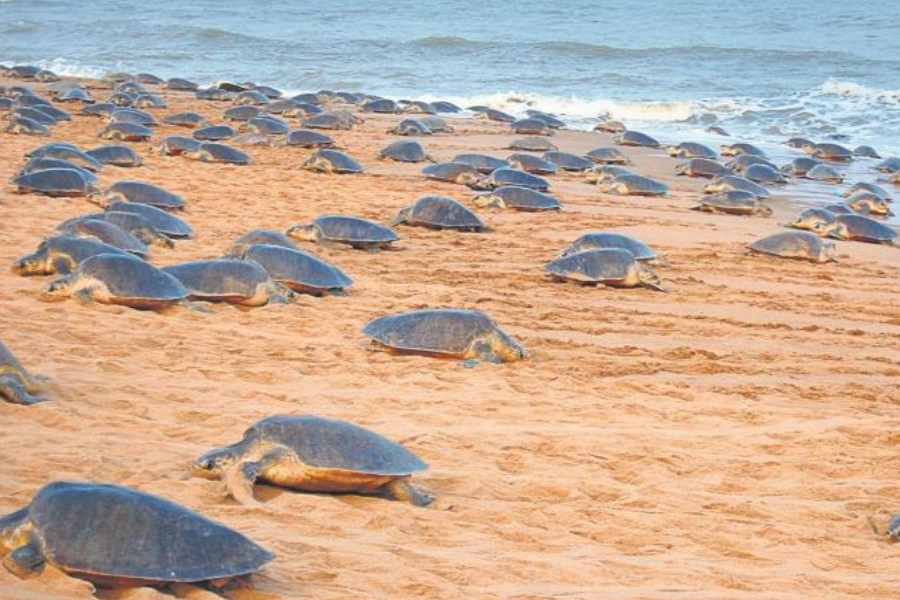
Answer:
(448, 333)
(117, 536)
(119, 279)
(17, 385)
(439, 212)
(314, 454)
(614, 267)
(345, 229)
(636, 138)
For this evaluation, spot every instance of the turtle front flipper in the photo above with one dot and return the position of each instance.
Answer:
(239, 480)
(25, 561)
(401, 489)
(484, 351)
(13, 390)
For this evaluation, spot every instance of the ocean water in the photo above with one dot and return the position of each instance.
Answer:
(765, 70)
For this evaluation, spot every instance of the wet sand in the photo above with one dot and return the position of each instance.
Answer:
(726, 440)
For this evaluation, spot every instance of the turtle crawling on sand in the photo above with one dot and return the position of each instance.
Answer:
(734, 202)
(447, 333)
(344, 229)
(439, 212)
(241, 282)
(614, 267)
(314, 454)
(17, 385)
(800, 245)
(61, 255)
(113, 535)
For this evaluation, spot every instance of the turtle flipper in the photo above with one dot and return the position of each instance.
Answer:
(13, 390)
(62, 265)
(240, 479)
(25, 561)
(485, 352)
(401, 489)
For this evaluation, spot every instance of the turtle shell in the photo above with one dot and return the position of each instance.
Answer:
(889, 165)
(106, 232)
(181, 85)
(266, 125)
(833, 152)
(349, 230)
(492, 114)
(54, 182)
(241, 113)
(143, 193)
(381, 105)
(131, 116)
(39, 163)
(68, 152)
(326, 121)
(214, 133)
(604, 239)
(602, 265)
(443, 106)
(220, 278)
(298, 270)
(825, 173)
(636, 138)
(735, 182)
(340, 162)
(637, 185)
(865, 229)
(440, 212)
(26, 126)
(531, 164)
(501, 177)
(442, 332)
(411, 127)
(762, 173)
(132, 281)
(703, 167)
(795, 244)
(607, 155)
(405, 151)
(120, 156)
(331, 444)
(307, 138)
(217, 153)
(530, 126)
(175, 145)
(190, 120)
(692, 150)
(451, 172)
(76, 249)
(260, 236)
(531, 144)
(866, 152)
(520, 198)
(800, 166)
(873, 188)
(122, 130)
(741, 148)
(164, 222)
(110, 531)
(482, 162)
(567, 161)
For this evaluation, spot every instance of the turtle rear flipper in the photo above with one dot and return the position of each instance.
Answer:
(13, 390)
(402, 490)
(25, 561)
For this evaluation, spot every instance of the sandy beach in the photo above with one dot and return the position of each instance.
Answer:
(727, 439)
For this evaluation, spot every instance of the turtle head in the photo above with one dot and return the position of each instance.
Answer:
(102, 199)
(673, 151)
(508, 349)
(893, 528)
(33, 264)
(764, 210)
(215, 462)
(681, 168)
(307, 233)
(808, 147)
(15, 529)
(836, 230)
(57, 289)
(649, 278)
(401, 217)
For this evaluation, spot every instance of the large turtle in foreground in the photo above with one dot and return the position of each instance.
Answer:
(113, 535)
(242, 282)
(119, 279)
(345, 229)
(315, 454)
(614, 267)
(449, 333)
(17, 385)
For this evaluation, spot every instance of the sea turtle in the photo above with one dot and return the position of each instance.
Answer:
(307, 138)
(418, 107)
(120, 156)
(861, 229)
(39, 163)
(889, 165)
(18, 386)
(212, 152)
(635, 138)
(149, 79)
(35, 114)
(25, 126)
(740, 162)
(131, 116)
(120, 279)
(344, 229)
(492, 114)
(866, 152)
(301, 110)
(268, 91)
(300, 271)
(605, 239)
(163, 221)
(327, 121)
(830, 152)
(57, 113)
(839, 208)
(702, 167)
(125, 131)
(691, 150)
(567, 161)
(241, 113)
(314, 454)
(610, 126)
(149, 101)
(873, 188)
(175, 145)
(482, 162)
(734, 202)
(517, 198)
(814, 219)
(75, 94)
(869, 203)
(259, 236)
(266, 125)
(411, 127)
(105, 231)
(760, 173)
(800, 166)
(54, 182)
(449, 333)
(452, 172)
(824, 173)
(733, 182)
(117, 536)
(215, 94)
(381, 105)
(231, 280)
(325, 160)
(100, 109)
(501, 177)
(801, 245)
(140, 193)
(67, 151)
(278, 107)
(552, 121)
(252, 139)
(443, 106)
(439, 212)
(531, 144)
(607, 155)
(740, 148)
(181, 85)
(604, 173)
(634, 185)
(614, 267)
(531, 164)
(214, 133)
(409, 151)
(123, 99)
(132, 223)
(530, 126)
(251, 97)
(799, 142)
(61, 255)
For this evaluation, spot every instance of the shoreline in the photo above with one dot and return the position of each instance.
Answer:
(726, 439)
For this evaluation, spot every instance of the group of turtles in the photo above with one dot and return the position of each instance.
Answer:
(114, 535)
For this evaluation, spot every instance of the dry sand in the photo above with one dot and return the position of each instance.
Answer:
(725, 440)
